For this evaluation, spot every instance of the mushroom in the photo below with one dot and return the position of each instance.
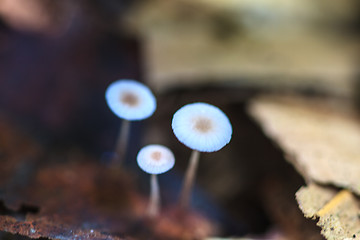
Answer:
(155, 159)
(131, 101)
(203, 128)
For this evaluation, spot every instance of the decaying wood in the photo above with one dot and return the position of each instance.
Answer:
(321, 140)
(337, 211)
(70, 195)
(202, 42)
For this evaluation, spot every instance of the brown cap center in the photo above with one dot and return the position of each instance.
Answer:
(203, 125)
(129, 99)
(156, 155)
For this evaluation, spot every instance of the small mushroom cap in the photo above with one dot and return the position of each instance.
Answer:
(202, 127)
(155, 159)
(130, 100)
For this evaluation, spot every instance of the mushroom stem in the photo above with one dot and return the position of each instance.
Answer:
(154, 205)
(189, 179)
(121, 143)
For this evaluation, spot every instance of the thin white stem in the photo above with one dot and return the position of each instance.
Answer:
(189, 179)
(154, 205)
(121, 143)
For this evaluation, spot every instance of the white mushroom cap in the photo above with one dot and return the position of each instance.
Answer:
(130, 100)
(202, 127)
(155, 159)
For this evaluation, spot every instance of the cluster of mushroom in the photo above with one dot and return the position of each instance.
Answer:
(200, 126)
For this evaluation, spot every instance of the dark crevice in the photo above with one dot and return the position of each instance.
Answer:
(256, 165)
(19, 214)
(10, 236)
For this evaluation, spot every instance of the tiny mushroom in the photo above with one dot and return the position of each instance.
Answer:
(131, 101)
(155, 159)
(203, 128)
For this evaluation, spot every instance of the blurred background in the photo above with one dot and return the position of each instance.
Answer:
(58, 57)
